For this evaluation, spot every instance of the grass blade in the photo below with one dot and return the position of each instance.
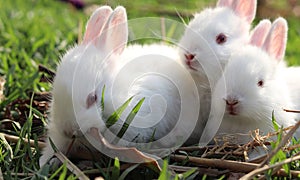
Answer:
(130, 117)
(102, 98)
(275, 124)
(116, 169)
(116, 115)
(188, 174)
(164, 174)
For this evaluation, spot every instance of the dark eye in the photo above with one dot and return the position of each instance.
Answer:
(260, 83)
(91, 99)
(189, 57)
(221, 38)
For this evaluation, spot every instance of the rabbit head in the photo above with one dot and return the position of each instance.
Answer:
(214, 33)
(83, 69)
(252, 86)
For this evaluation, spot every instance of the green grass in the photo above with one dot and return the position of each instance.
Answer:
(31, 33)
(34, 32)
(292, 50)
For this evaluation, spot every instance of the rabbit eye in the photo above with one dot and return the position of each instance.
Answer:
(221, 38)
(260, 83)
(91, 99)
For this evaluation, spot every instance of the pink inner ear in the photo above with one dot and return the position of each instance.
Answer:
(113, 37)
(96, 23)
(245, 9)
(276, 42)
(260, 33)
(224, 3)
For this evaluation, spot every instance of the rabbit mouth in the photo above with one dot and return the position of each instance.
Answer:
(232, 105)
(189, 60)
(233, 113)
(189, 64)
(231, 110)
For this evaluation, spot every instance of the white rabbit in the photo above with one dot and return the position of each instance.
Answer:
(213, 34)
(102, 59)
(291, 74)
(207, 44)
(252, 87)
(75, 104)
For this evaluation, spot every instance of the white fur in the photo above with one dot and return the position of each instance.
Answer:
(102, 59)
(154, 72)
(81, 70)
(232, 18)
(292, 76)
(240, 82)
(200, 36)
(256, 103)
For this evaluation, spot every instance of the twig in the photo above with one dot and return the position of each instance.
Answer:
(281, 144)
(293, 147)
(292, 111)
(282, 173)
(15, 139)
(74, 169)
(244, 167)
(218, 163)
(265, 168)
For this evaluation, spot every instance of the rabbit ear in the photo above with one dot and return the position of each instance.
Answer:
(275, 43)
(115, 32)
(96, 23)
(260, 32)
(223, 3)
(245, 9)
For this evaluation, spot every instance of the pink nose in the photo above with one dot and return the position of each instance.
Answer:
(189, 60)
(231, 102)
(189, 57)
(231, 106)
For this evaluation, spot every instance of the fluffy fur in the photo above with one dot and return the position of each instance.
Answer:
(199, 39)
(292, 76)
(253, 78)
(256, 104)
(231, 18)
(152, 72)
(80, 73)
(155, 73)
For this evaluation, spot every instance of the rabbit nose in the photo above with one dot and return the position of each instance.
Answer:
(189, 57)
(188, 60)
(232, 106)
(231, 102)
